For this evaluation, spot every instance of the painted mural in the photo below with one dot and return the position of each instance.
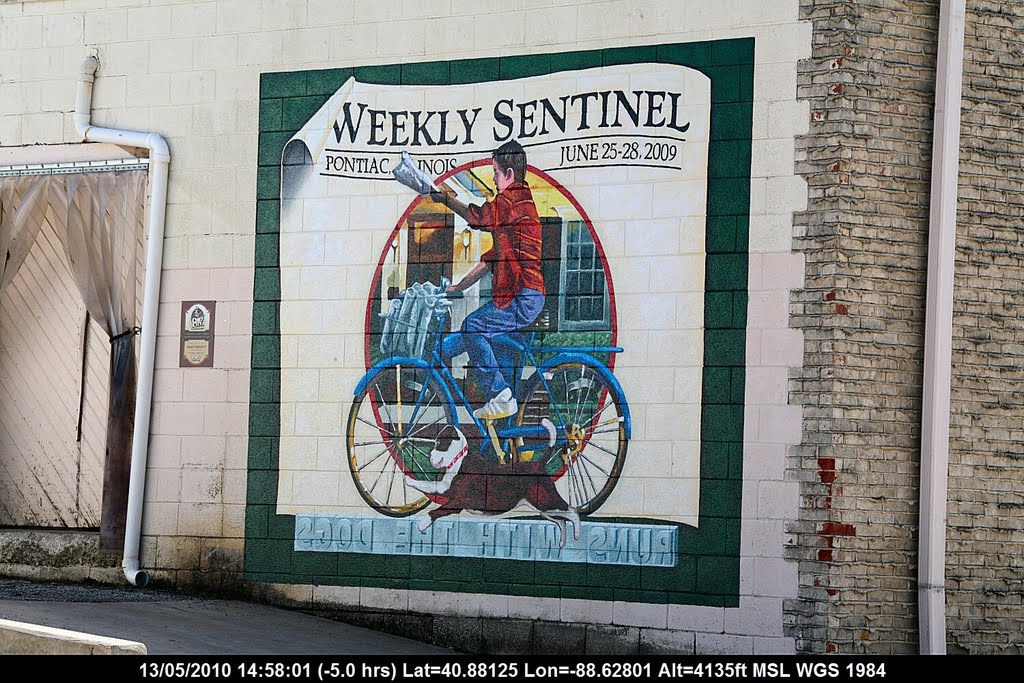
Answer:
(492, 330)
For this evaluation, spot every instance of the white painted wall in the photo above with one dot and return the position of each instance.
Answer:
(190, 71)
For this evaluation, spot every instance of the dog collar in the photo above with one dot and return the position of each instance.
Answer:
(460, 456)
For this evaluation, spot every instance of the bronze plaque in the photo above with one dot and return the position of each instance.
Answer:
(197, 323)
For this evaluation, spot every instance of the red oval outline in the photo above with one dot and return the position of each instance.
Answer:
(375, 281)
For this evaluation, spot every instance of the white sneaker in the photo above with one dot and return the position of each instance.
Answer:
(498, 407)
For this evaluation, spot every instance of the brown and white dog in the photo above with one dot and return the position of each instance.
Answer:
(475, 484)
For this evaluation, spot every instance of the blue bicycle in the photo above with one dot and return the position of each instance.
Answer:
(572, 415)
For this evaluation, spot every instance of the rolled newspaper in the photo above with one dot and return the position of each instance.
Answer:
(413, 178)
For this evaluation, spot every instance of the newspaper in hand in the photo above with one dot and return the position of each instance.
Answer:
(413, 178)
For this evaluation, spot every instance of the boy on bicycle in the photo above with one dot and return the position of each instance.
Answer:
(518, 286)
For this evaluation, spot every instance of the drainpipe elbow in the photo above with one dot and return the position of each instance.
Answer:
(158, 149)
(90, 65)
(136, 577)
(83, 95)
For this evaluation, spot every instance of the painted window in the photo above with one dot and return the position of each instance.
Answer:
(584, 305)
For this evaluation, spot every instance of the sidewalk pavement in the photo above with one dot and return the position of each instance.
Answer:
(171, 624)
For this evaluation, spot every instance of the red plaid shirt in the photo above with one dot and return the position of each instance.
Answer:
(512, 220)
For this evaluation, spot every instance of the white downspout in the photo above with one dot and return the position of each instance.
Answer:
(159, 160)
(938, 335)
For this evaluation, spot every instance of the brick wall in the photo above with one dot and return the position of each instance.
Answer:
(984, 570)
(867, 162)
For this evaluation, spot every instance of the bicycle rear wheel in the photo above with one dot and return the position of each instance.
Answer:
(587, 411)
(392, 426)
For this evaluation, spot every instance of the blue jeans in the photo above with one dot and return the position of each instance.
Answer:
(477, 335)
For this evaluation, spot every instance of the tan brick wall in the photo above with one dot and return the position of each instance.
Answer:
(985, 570)
(867, 162)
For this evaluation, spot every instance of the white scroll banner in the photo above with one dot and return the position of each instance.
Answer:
(628, 145)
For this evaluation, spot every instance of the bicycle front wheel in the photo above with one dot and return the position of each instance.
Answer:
(587, 411)
(392, 426)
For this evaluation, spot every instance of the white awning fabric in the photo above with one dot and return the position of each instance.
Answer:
(96, 215)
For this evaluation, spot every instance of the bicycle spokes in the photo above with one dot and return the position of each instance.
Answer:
(392, 426)
(586, 410)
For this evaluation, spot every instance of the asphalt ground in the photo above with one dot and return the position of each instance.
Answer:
(175, 624)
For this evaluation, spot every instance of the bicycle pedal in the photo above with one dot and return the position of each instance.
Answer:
(489, 424)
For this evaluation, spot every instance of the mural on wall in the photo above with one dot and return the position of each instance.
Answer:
(491, 329)
(516, 451)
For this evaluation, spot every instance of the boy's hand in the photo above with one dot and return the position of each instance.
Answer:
(442, 195)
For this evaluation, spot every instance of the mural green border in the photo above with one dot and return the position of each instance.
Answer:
(708, 569)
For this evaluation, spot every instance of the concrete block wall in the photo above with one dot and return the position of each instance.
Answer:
(191, 71)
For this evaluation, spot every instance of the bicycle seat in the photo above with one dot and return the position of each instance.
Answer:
(541, 324)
